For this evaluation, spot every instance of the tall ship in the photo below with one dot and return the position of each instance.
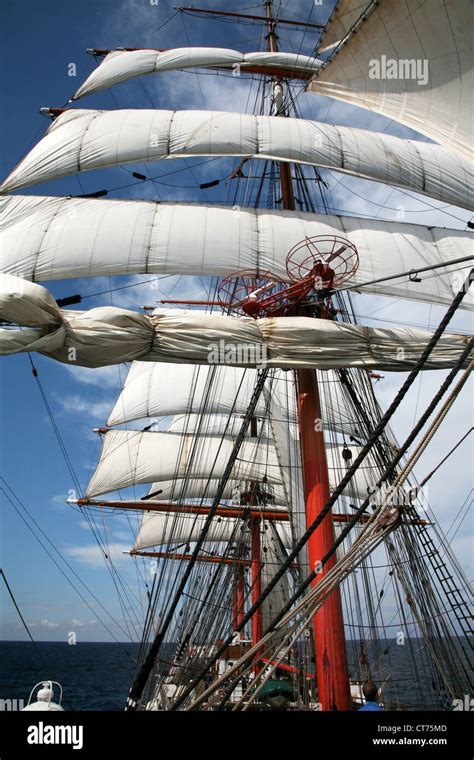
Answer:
(285, 551)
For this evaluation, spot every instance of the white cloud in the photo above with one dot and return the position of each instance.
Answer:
(76, 623)
(43, 624)
(60, 498)
(123, 535)
(92, 555)
(75, 404)
(104, 377)
(463, 550)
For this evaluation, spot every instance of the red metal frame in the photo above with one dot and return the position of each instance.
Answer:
(243, 294)
(290, 668)
(315, 265)
(337, 255)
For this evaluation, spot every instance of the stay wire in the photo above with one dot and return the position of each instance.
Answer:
(25, 625)
(68, 565)
(451, 451)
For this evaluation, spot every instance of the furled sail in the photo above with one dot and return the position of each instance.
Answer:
(122, 65)
(132, 457)
(109, 335)
(45, 238)
(80, 140)
(410, 60)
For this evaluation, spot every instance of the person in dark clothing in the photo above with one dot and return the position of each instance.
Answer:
(370, 692)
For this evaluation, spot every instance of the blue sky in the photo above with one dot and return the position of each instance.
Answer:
(39, 39)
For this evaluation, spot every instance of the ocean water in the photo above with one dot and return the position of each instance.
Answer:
(97, 676)
(94, 676)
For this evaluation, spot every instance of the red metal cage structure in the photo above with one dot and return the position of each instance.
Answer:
(315, 267)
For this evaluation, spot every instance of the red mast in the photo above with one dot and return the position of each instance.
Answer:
(256, 567)
(238, 611)
(330, 650)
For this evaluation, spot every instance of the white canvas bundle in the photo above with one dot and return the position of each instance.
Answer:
(108, 335)
(410, 60)
(50, 238)
(122, 65)
(80, 140)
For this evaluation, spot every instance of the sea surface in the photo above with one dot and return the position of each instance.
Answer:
(97, 676)
(94, 676)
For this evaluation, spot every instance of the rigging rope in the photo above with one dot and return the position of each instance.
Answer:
(345, 480)
(21, 616)
(141, 678)
(371, 535)
(68, 565)
(451, 451)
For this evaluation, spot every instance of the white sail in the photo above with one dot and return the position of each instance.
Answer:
(410, 60)
(80, 140)
(168, 531)
(50, 238)
(212, 424)
(122, 65)
(192, 489)
(287, 450)
(195, 490)
(189, 391)
(153, 390)
(159, 529)
(131, 457)
(275, 539)
(108, 335)
(336, 418)
(346, 17)
(167, 390)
